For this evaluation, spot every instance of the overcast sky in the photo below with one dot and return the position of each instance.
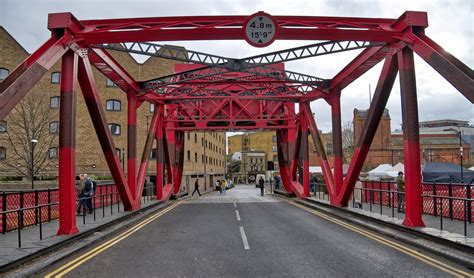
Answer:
(451, 24)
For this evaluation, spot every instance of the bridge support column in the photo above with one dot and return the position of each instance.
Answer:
(304, 156)
(337, 140)
(159, 158)
(132, 147)
(411, 140)
(67, 146)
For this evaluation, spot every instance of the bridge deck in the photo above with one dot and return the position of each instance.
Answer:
(241, 234)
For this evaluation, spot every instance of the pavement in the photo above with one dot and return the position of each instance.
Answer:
(451, 229)
(242, 234)
(31, 243)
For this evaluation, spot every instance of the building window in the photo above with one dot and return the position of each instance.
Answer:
(195, 157)
(189, 136)
(54, 127)
(3, 153)
(329, 148)
(113, 105)
(54, 102)
(274, 149)
(152, 107)
(114, 129)
(118, 152)
(202, 142)
(274, 138)
(4, 73)
(53, 153)
(55, 77)
(275, 157)
(110, 83)
(202, 158)
(189, 155)
(153, 154)
(3, 126)
(195, 138)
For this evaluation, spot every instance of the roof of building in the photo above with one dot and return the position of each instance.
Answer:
(432, 141)
(363, 113)
(443, 122)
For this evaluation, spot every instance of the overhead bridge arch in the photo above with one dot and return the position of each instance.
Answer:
(226, 93)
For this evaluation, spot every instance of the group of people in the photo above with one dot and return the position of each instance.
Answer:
(400, 188)
(86, 189)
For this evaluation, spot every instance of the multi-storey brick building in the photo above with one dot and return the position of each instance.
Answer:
(267, 142)
(204, 152)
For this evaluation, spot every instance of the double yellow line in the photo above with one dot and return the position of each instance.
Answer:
(413, 253)
(94, 252)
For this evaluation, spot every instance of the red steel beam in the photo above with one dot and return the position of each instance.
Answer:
(337, 139)
(132, 144)
(108, 66)
(381, 94)
(27, 74)
(159, 154)
(304, 155)
(318, 144)
(67, 146)
(411, 140)
(285, 169)
(152, 129)
(453, 70)
(179, 166)
(97, 113)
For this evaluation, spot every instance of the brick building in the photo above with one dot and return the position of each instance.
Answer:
(266, 142)
(380, 150)
(204, 152)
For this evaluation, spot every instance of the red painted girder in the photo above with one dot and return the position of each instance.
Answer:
(97, 113)
(152, 129)
(453, 70)
(210, 27)
(67, 146)
(367, 59)
(132, 144)
(298, 189)
(337, 139)
(381, 95)
(167, 192)
(27, 74)
(112, 69)
(327, 174)
(411, 140)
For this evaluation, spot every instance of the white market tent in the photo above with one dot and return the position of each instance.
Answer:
(393, 171)
(315, 170)
(379, 172)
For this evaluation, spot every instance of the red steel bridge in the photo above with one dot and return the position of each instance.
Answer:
(211, 92)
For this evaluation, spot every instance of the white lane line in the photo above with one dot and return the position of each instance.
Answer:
(237, 214)
(235, 205)
(244, 238)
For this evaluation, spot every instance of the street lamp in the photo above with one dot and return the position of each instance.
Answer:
(33, 144)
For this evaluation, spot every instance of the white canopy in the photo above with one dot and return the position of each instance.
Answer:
(393, 171)
(379, 172)
(315, 170)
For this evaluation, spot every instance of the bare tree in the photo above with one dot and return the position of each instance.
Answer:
(348, 143)
(30, 119)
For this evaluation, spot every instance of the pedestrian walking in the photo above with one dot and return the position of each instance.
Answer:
(196, 188)
(89, 193)
(357, 194)
(401, 192)
(81, 193)
(261, 182)
(223, 187)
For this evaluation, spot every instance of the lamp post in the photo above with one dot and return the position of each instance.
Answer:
(460, 154)
(33, 144)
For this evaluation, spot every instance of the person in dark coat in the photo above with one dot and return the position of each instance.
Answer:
(196, 188)
(261, 182)
(401, 192)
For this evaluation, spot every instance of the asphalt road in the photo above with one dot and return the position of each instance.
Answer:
(205, 237)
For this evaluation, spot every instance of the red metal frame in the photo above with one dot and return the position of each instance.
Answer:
(225, 100)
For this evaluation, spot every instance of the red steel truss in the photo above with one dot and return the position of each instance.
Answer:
(222, 93)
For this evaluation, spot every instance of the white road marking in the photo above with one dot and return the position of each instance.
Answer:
(244, 238)
(235, 205)
(237, 214)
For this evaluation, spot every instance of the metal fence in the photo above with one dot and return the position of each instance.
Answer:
(21, 209)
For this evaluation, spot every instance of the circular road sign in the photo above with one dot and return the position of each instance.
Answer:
(260, 29)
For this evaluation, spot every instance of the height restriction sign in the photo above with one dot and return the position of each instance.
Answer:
(260, 29)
